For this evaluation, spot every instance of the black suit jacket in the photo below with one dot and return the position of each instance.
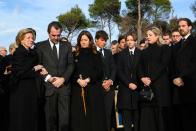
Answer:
(63, 67)
(127, 70)
(109, 67)
(109, 72)
(184, 66)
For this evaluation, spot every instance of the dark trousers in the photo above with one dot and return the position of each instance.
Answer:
(57, 110)
(176, 118)
(4, 112)
(188, 116)
(130, 120)
(151, 118)
(109, 101)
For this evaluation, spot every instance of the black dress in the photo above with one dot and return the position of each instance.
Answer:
(23, 91)
(154, 64)
(88, 64)
(4, 91)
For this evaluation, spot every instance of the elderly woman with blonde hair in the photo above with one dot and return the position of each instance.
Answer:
(154, 75)
(12, 48)
(3, 51)
(23, 86)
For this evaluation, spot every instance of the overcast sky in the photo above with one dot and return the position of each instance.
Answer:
(18, 14)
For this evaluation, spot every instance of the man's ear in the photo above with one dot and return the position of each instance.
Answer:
(190, 28)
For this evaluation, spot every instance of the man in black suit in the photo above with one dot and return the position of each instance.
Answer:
(109, 73)
(127, 68)
(57, 58)
(184, 74)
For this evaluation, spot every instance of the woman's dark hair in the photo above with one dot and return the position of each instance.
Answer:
(120, 38)
(91, 42)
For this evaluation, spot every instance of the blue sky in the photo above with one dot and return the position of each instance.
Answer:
(18, 14)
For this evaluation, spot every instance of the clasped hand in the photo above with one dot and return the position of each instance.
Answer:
(56, 81)
(106, 84)
(146, 81)
(132, 86)
(83, 82)
(178, 82)
(40, 68)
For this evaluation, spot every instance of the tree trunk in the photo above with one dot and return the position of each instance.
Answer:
(110, 30)
(139, 25)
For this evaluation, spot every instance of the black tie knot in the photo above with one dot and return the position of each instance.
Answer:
(183, 42)
(100, 50)
(131, 52)
(183, 39)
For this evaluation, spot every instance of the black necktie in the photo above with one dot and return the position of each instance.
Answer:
(183, 39)
(100, 50)
(54, 50)
(183, 42)
(131, 54)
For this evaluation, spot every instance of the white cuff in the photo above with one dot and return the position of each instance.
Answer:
(47, 77)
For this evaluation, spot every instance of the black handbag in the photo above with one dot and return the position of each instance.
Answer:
(146, 94)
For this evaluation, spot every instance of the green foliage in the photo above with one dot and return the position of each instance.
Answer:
(105, 13)
(133, 7)
(173, 23)
(194, 28)
(162, 25)
(104, 9)
(73, 21)
(126, 24)
(152, 10)
(193, 7)
(161, 9)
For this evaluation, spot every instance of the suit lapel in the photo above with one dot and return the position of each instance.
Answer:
(49, 50)
(132, 64)
(186, 43)
(129, 62)
(135, 58)
(61, 50)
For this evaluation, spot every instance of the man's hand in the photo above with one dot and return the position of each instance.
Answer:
(38, 67)
(43, 71)
(82, 83)
(178, 82)
(132, 86)
(58, 81)
(51, 79)
(146, 81)
(106, 84)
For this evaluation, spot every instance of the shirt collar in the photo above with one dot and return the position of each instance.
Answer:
(98, 48)
(186, 36)
(132, 49)
(51, 43)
